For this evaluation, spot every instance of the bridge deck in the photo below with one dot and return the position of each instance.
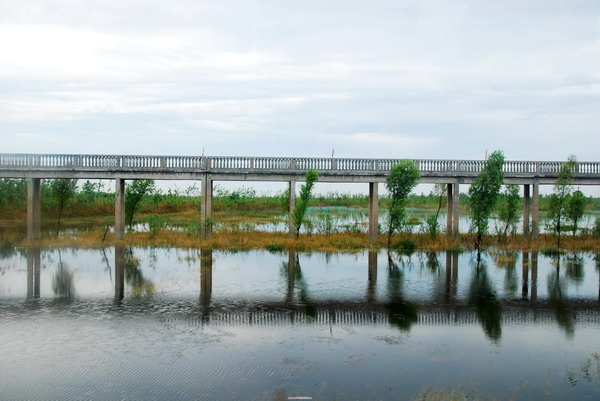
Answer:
(241, 168)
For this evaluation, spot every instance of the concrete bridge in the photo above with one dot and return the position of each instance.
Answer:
(34, 167)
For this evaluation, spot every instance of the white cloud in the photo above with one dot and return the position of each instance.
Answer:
(432, 78)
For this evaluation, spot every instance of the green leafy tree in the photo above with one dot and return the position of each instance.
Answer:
(575, 208)
(134, 193)
(508, 212)
(302, 202)
(13, 192)
(483, 195)
(563, 187)
(401, 180)
(62, 190)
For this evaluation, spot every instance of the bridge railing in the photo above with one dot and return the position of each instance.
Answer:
(128, 162)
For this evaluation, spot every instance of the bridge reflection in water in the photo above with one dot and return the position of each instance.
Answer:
(443, 306)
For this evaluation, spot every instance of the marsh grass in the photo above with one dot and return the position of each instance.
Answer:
(335, 242)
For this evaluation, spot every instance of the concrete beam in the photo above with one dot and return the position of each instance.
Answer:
(119, 209)
(206, 205)
(535, 213)
(373, 210)
(34, 208)
(291, 206)
(333, 176)
(526, 207)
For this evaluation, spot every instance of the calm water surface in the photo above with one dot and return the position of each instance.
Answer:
(176, 324)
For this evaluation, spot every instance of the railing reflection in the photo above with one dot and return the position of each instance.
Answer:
(481, 305)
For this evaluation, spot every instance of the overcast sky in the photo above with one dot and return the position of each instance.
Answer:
(392, 79)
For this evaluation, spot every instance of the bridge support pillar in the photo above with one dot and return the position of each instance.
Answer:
(526, 207)
(449, 203)
(206, 264)
(33, 272)
(34, 208)
(373, 210)
(534, 268)
(525, 276)
(291, 206)
(119, 208)
(535, 213)
(119, 273)
(291, 276)
(206, 206)
(372, 281)
(453, 209)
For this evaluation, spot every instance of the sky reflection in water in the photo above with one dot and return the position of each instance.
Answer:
(189, 324)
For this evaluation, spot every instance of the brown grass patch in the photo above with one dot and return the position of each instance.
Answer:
(338, 242)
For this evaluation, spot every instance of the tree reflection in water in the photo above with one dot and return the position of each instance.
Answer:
(487, 307)
(140, 286)
(291, 271)
(63, 284)
(575, 268)
(559, 300)
(401, 313)
(507, 260)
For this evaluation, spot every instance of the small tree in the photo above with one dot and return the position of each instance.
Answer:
(432, 224)
(575, 208)
(134, 193)
(508, 212)
(401, 180)
(62, 190)
(562, 190)
(483, 195)
(302, 203)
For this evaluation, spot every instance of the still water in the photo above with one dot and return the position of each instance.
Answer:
(178, 324)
